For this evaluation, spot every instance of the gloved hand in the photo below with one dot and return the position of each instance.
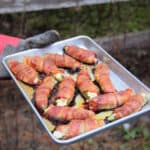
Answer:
(37, 41)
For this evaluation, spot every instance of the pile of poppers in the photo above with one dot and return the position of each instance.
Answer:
(73, 91)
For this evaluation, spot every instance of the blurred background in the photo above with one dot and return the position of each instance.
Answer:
(122, 28)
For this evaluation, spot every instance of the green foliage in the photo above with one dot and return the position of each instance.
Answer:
(139, 131)
(132, 134)
(93, 20)
(136, 137)
(146, 145)
(146, 132)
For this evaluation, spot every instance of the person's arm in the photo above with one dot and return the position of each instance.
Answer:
(10, 45)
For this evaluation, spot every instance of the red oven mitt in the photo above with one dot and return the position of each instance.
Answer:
(8, 40)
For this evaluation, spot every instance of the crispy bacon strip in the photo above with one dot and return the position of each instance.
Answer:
(42, 92)
(43, 64)
(76, 127)
(103, 79)
(110, 100)
(64, 113)
(24, 72)
(83, 55)
(65, 92)
(35, 62)
(134, 104)
(85, 85)
(63, 61)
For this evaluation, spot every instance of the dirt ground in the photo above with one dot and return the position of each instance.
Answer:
(20, 130)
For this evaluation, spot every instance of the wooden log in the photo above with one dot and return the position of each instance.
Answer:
(125, 41)
(11, 6)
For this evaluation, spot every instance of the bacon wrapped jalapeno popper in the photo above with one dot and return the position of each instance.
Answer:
(66, 91)
(83, 55)
(110, 100)
(24, 72)
(42, 92)
(66, 113)
(85, 85)
(43, 64)
(134, 104)
(76, 127)
(102, 77)
(63, 61)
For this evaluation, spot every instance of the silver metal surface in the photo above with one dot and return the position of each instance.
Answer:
(121, 78)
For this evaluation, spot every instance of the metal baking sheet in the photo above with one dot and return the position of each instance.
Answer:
(121, 78)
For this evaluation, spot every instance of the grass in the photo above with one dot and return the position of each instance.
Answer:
(136, 132)
(136, 137)
(94, 20)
